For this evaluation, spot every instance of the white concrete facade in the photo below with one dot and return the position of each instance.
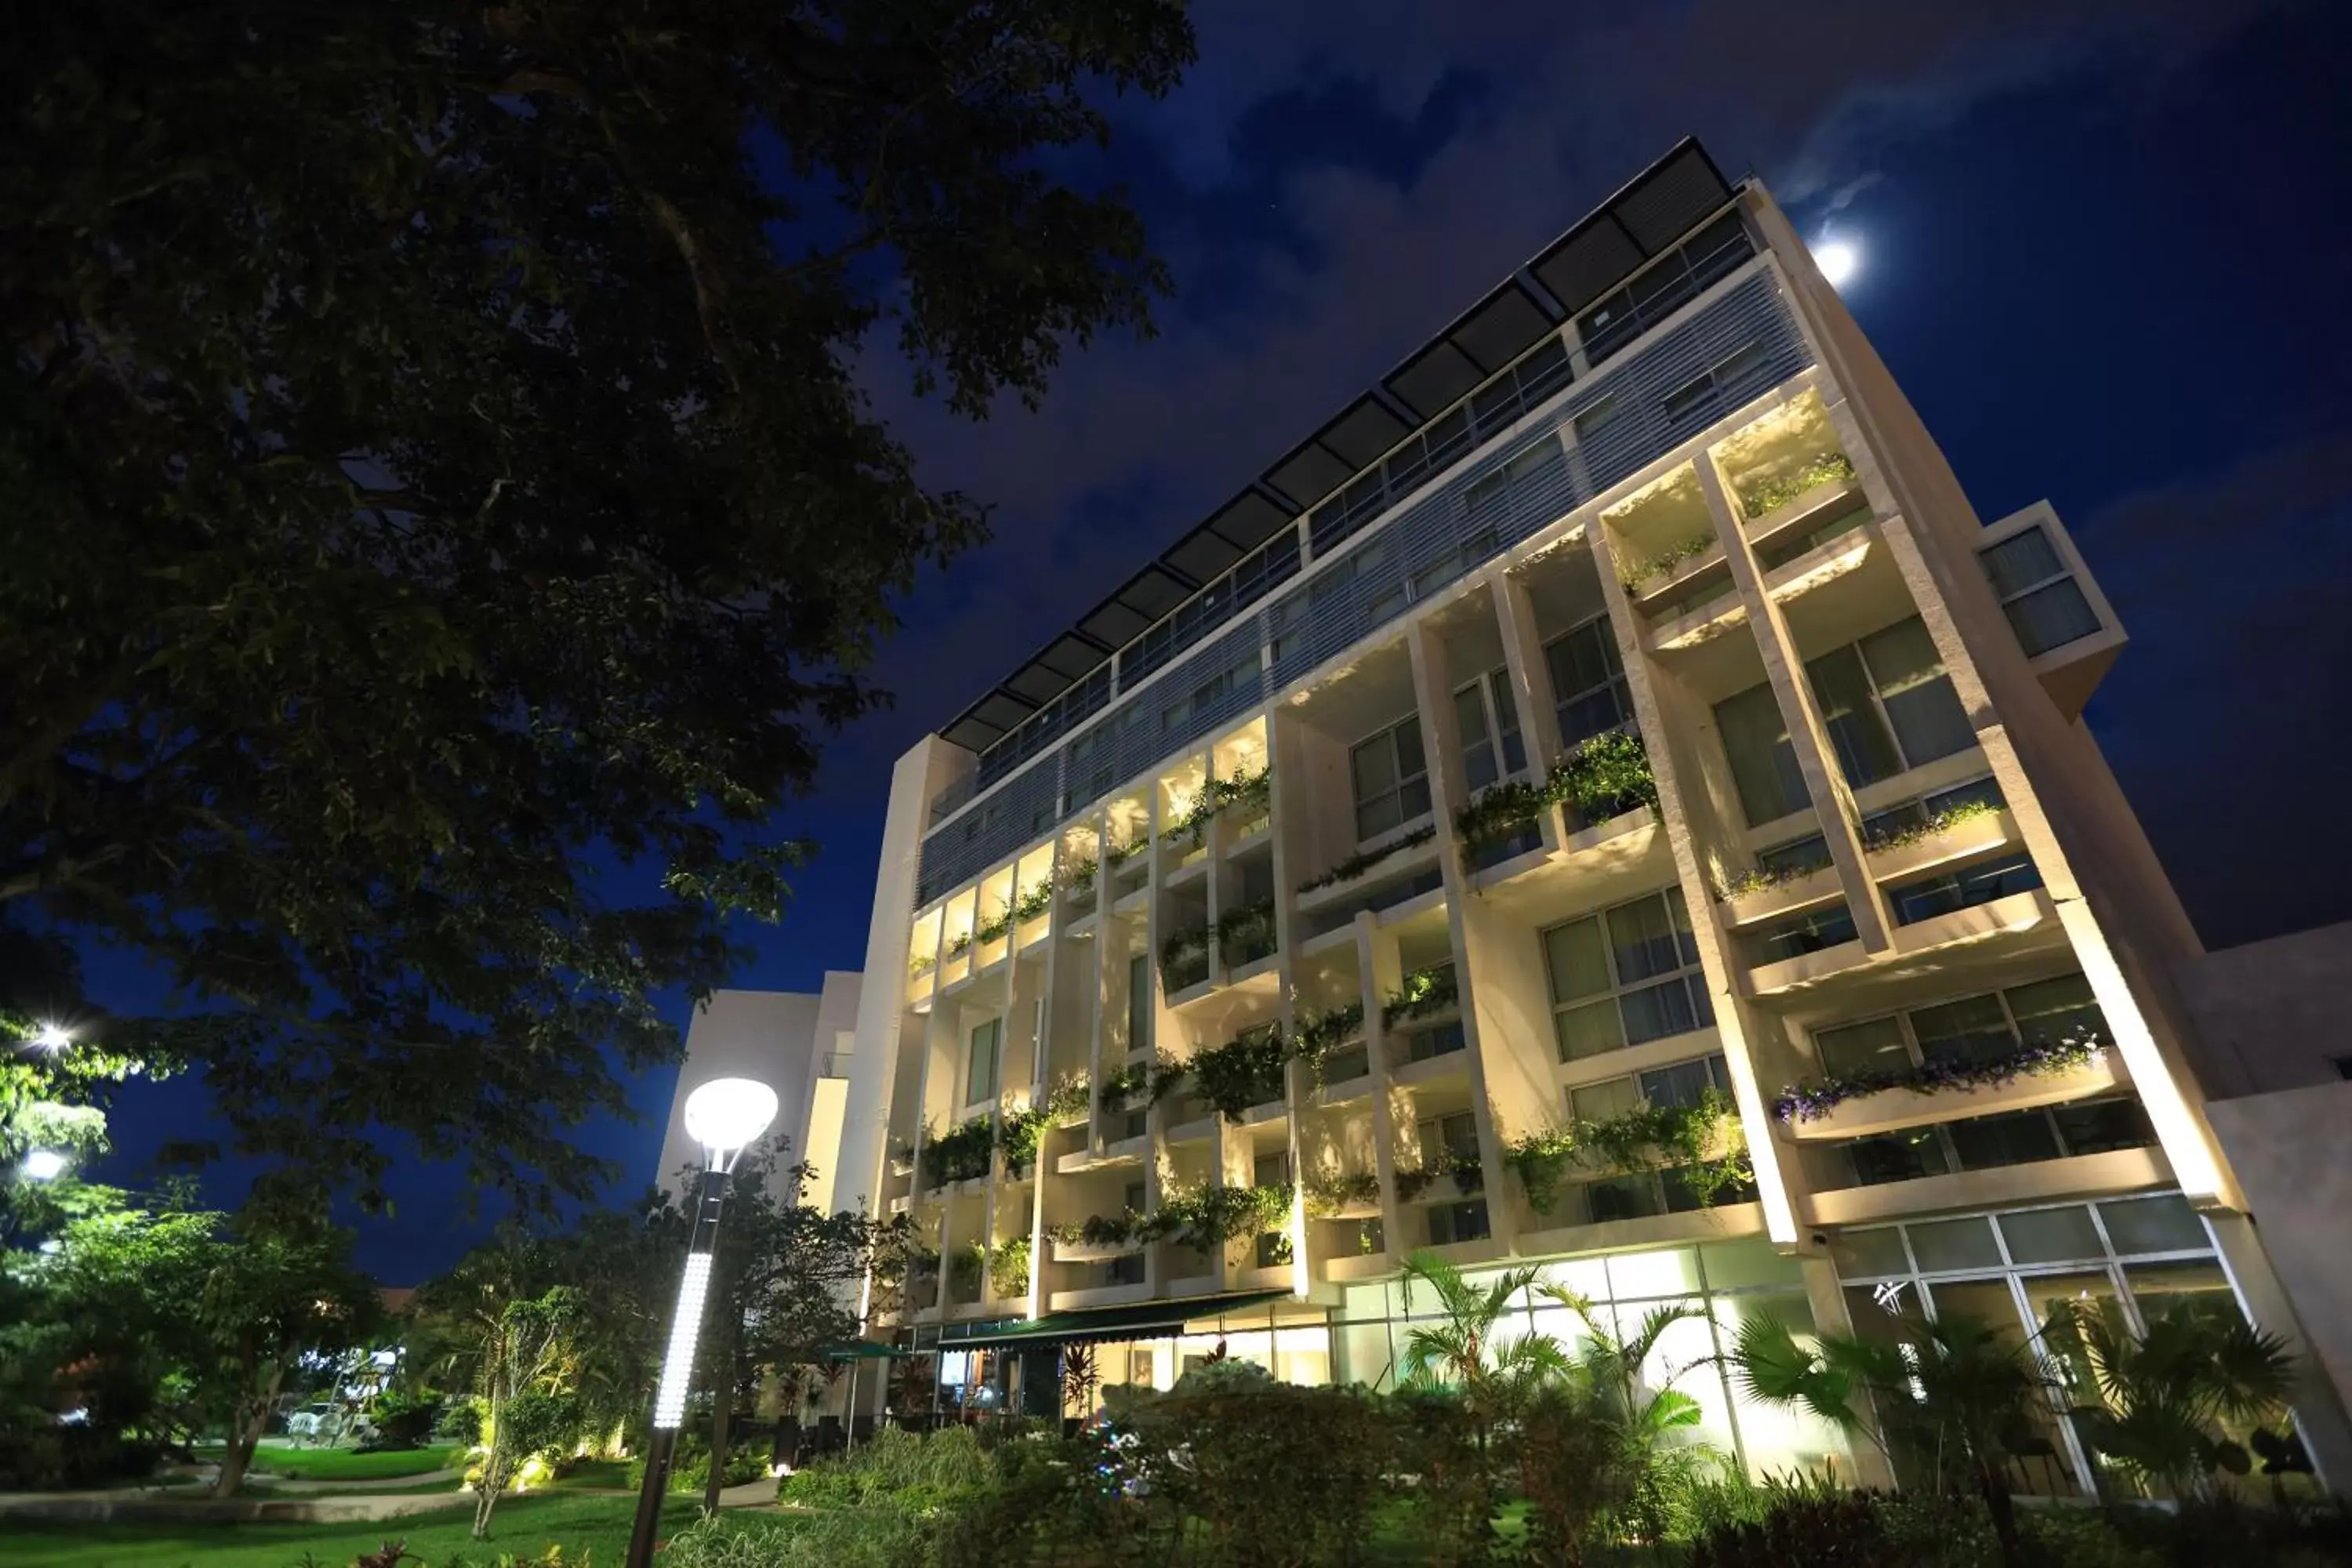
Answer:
(799, 1045)
(1882, 841)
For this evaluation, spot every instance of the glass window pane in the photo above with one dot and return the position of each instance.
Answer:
(1756, 745)
(2019, 1138)
(1656, 1012)
(1678, 913)
(1863, 1047)
(2052, 1010)
(1600, 1101)
(1842, 687)
(1684, 1083)
(1861, 1254)
(1591, 1029)
(1973, 1029)
(1950, 1245)
(2098, 1126)
(2159, 1287)
(1376, 816)
(2165, 1223)
(1412, 799)
(1408, 749)
(1920, 703)
(1898, 1157)
(1470, 715)
(2051, 1236)
(2020, 561)
(1374, 764)
(2051, 616)
(1642, 939)
(1577, 961)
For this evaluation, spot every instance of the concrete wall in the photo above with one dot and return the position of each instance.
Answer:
(771, 1036)
(2287, 1149)
(2280, 1011)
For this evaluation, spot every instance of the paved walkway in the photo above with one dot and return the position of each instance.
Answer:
(177, 1506)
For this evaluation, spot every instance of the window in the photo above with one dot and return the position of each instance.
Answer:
(1391, 780)
(1443, 1040)
(1625, 976)
(1492, 746)
(2038, 592)
(1962, 889)
(2009, 1138)
(1588, 681)
(1138, 1002)
(1703, 395)
(1445, 1139)
(1345, 1065)
(1763, 764)
(1450, 1223)
(1657, 293)
(1241, 677)
(1681, 1084)
(979, 1075)
(1271, 1169)
(1972, 1028)
(1793, 936)
(1599, 417)
(1125, 1269)
(1885, 701)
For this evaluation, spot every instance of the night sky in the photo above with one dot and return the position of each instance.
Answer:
(2105, 251)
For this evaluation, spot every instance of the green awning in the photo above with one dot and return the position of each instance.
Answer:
(862, 1350)
(1145, 1321)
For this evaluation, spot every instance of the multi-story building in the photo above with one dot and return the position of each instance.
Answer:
(1610, 743)
(799, 1045)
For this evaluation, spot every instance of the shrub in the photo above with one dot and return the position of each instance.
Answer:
(689, 1466)
(460, 1421)
(1280, 1476)
(405, 1420)
(1805, 1530)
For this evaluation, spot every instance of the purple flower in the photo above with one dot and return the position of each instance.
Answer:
(1814, 1099)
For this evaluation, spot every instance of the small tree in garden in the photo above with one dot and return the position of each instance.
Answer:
(1494, 1374)
(1644, 1426)
(1081, 1375)
(2164, 1397)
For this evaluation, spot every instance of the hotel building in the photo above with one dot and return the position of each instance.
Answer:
(1603, 800)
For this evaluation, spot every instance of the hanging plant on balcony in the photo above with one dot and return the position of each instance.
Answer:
(1816, 1098)
(1895, 835)
(1151, 1084)
(1184, 957)
(1701, 1142)
(960, 1155)
(1032, 903)
(1424, 992)
(1605, 777)
(1250, 792)
(1768, 496)
(1355, 866)
(1330, 1191)
(1666, 560)
(1203, 1218)
(1099, 1230)
(1018, 1132)
(1411, 1184)
(1118, 855)
(922, 963)
(958, 945)
(1247, 934)
(1763, 878)
(965, 1270)
(1008, 1267)
(1242, 1073)
(1320, 1034)
(1078, 879)
(995, 926)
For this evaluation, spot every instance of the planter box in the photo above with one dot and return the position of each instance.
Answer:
(1820, 886)
(1973, 836)
(1891, 1108)
(1090, 1252)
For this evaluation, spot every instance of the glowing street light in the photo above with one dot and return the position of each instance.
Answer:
(724, 1116)
(52, 1037)
(45, 1164)
(1837, 258)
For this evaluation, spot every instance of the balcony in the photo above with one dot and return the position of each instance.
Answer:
(2118, 1171)
(1891, 1108)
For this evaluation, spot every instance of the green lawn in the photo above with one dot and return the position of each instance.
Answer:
(524, 1526)
(348, 1464)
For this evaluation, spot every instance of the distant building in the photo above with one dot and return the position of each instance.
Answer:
(1618, 709)
(798, 1044)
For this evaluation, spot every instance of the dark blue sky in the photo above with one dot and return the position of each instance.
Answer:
(2106, 252)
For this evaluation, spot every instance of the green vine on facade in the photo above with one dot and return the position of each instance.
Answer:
(1008, 1267)
(1816, 1098)
(1701, 1142)
(1018, 1132)
(1466, 1171)
(1217, 796)
(1244, 1072)
(1078, 877)
(1151, 1084)
(960, 1155)
(1606, 776)
(1424, 992)
(1184, 956)
(1320, 1033)
(1247, 934)
(1666, 560)
(1768, 496)
(1943, 820)
(1201, 1218)
(1763, 878)
(965, 1270)
(1330, 1193)
(1355, 866)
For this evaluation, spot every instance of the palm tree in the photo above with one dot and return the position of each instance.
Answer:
(1959, 1395)
(1647, 1426)
(2164, 1397)
(1463, 1349)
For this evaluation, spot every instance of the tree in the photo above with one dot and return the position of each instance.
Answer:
(2163, 1400)
(781, 1288)
(1644, 1425)
(1957, 1396)
(1495, 1373)
(516, 1339)
(436, 463)
(269, 1295)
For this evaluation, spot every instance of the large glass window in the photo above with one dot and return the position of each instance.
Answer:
(1492, 746)
(1971, 1028)
(987, 1047)
(1588, 681)
(2038, 593)
(2010, 1138)
(1391, 780)
(1965, 888)
(1624, 977)
(1921, 706)
(1763, 766)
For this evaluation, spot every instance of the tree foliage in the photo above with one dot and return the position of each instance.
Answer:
(433, 449)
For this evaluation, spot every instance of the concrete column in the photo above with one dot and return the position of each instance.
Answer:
(1830, 1317)
(1523, 658)
(2319, 1414)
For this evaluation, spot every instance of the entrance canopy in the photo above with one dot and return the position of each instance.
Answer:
(1145, 1321)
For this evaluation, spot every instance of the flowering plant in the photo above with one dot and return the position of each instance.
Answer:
(1817, 1098)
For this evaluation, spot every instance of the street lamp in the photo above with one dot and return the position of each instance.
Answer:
(45, 1164)
(724, 1116)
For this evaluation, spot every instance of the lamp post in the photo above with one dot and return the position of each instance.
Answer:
(724, 1116)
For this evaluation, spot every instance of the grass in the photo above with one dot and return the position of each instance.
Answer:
(590, 1529)
(349, 1464)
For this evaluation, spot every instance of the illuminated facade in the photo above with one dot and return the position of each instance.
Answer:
(1609, 744)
